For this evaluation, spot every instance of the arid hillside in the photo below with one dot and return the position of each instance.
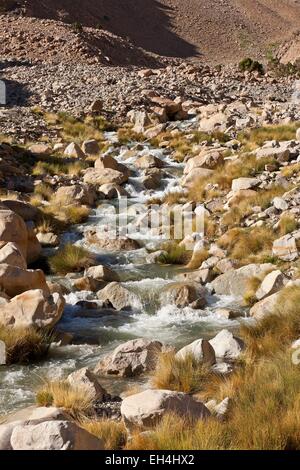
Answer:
(217, 30)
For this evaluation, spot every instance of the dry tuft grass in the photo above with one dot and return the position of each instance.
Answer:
(24, 345)
(77, 401)
(182, 375)
(253, 138)
(248, 245)
(175, 254)
(287, 224)
(113, 434)
(197, 259)
(70, 258)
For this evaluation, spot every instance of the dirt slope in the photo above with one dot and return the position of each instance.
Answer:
(217, 30)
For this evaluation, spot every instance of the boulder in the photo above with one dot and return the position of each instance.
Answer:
(146, 409)
(271, 284)
(10, 254)
(149, 161)
(90, 147)
(141, 120)
(216, 121)
(228, 313)
(86, 283)
(33, 308)
(226, 345)
(286, 248)
(15, 280)
(102, 273)
(281, 154)
(104, 176)
(2, 353)
(240, 195)
(112, 244)
(195, 174)
(298, 134)
(280, 204)
(264, 307)
(84, 378)
(13, 229)
(244, 183)
(107, 161)
(152, 178)
(78, 193)
(201, 350)
(96, 106)
(113, 191)
(154, 131)
(183, 295)
(34, 248)
(40, 149)
(37, 414)
(235, 281)
(207, 160)
(53, 435)
(23, 209)
(48, 239)
(73, 150)
(131, 359)
(118, 296)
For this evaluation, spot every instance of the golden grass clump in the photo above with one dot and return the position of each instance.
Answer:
(248, 245)
(182, 375)
(175, 254)
(77, 401)
(24, 345)
(253, 138)
(113, 433)
(70, 258)
(198, 258)
(287, 224)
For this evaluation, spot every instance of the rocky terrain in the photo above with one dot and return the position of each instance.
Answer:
(149, 239)
(216, 31)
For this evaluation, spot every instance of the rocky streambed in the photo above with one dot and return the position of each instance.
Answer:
(96, 329)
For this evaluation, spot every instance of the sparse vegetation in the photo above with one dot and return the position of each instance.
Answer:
(250, 65)
(175, 254)
(70, 258)
(24, 345)
(184, 375)
(77, 401)
(113, 433)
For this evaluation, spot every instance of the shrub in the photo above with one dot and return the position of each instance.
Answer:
(250, 65)
(24, 345)
(70, 258)
(77, 27)
(260, 135)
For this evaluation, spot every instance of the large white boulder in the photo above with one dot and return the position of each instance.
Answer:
(146, 409)
(53, 435)
(226, 345)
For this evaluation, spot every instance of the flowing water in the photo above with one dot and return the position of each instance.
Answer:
(148, 318)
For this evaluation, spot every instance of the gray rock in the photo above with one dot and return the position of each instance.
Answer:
(53, 435)
(234, 282)
(146, 409)
(226, 345)
(131, 359)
